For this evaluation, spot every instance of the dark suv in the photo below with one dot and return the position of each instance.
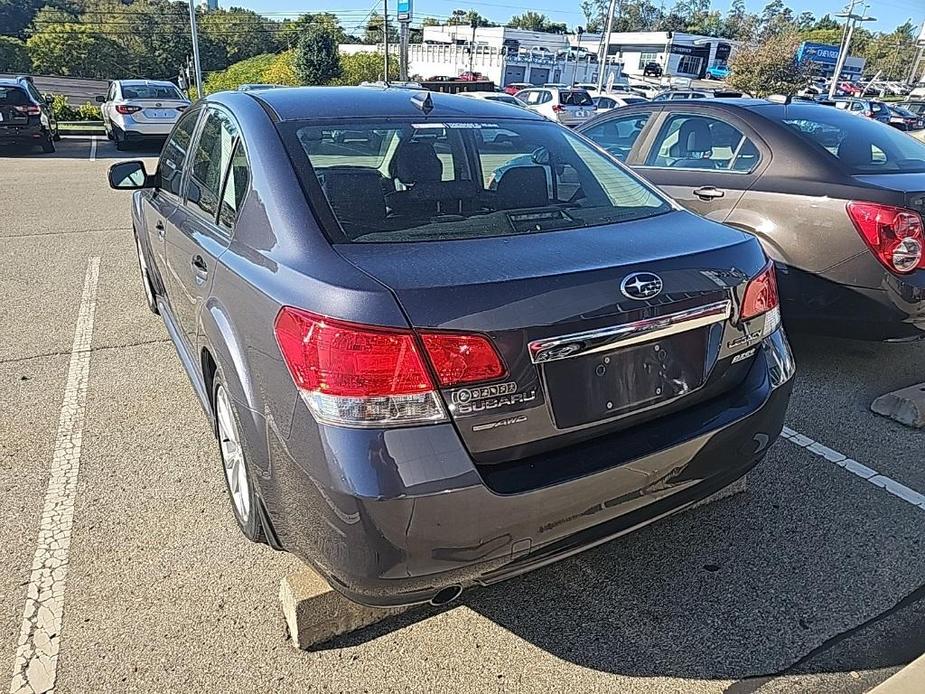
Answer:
(652, 70)
(25, 117)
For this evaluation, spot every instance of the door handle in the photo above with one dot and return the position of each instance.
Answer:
(200, 269)
(708, 193)
(159, 226)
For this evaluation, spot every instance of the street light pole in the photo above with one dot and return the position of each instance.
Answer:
(851, 21)
(385, 39)
(195, 36)
(602, 60)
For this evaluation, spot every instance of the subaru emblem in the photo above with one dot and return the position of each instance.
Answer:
(641, 285)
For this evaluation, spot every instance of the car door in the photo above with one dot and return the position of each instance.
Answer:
(161, 203)
(704, 159)
(194, 239)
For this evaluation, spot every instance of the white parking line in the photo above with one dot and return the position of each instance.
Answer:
(35, 667)
(875, 478)
(93, 148)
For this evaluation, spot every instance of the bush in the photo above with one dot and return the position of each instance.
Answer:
(771, 67)
(88, 111)
(317, 60)
(364, 67)
(61, 108)
(13, 55)
(243, 72)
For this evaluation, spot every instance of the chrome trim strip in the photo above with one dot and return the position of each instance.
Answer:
(603, 339)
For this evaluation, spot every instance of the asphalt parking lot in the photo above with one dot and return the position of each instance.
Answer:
(812, 581)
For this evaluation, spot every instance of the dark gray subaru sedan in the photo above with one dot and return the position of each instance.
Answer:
(444, 341)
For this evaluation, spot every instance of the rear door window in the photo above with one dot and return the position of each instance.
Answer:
(575, 98)
(211, 157)
(699, 142)
(235, 188)
(618, 135)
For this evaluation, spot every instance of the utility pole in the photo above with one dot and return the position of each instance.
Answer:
(385, 39)
(403, 13)
(602, 60)
(851, 21)
(195, 35)
(474, 25)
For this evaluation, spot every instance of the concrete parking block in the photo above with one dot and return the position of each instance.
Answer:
(316, 613)
(909, 680)
(906, 406)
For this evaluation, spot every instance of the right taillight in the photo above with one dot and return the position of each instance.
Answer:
(894, 234)
(761, 298)
(352, 374)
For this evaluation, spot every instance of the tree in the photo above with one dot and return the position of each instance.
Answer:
(741, 25)
(769, 67)
(364, 67)
(243, 33)
(529, 20)
(595, 12)
(317, 60)
(74, 49)
(289, 31)
(373, 33)
(16, 15)
(13, 55)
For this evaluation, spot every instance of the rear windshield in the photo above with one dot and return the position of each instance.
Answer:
(13, 96)
(150, 91)
(504, 98)
(575, 98)
(861, 145)
(420, 181)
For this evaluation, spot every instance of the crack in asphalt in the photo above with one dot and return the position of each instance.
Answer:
(106, 230)
(752, 684)
(142, 343)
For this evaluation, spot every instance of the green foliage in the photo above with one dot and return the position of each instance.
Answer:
(469, 18)
(73, 49)
(317, 60)
(61, 108)
(536, 21)
(364, 67)
(13, 55)
(88, 111)
(770, 67)
(15, 16)
(243, 33)
(373, 33)
(247, 71)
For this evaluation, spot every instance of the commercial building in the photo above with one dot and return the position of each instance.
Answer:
(678, 54)
(823, 58)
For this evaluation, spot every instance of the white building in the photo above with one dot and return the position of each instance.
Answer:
(678, 54)
(503, 55)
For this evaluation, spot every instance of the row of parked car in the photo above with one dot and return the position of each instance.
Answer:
(443, 341)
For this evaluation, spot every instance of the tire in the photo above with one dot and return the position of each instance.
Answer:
(48, 145)
(146, 278)
(245, 504)
(119, 139)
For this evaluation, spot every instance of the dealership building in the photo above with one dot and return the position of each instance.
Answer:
(824, 57)
(677, 53)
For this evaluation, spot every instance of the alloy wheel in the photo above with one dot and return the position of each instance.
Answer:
(232, 455)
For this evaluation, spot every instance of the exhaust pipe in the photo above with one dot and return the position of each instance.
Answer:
(446, 595)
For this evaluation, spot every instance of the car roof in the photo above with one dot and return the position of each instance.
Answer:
(300, 103)
(136, 83)
(12, 81)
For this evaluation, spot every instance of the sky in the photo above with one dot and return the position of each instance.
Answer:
(889, 13)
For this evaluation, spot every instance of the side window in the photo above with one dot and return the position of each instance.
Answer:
(211, 156)
(546, 97)
(679, 95)
(236, 183)
(619, 135)
(856, 106)
(170, 165)
(698, 142)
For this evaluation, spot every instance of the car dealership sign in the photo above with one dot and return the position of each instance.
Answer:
(818, 53)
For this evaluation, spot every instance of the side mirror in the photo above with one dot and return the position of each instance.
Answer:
(49, 99)
(101, 99)
(129, 175)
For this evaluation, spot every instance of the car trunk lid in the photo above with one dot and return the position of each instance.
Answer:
(553, 307)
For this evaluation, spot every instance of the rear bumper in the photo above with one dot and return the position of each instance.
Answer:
(392, 516)
(135, 130)
(22, 134)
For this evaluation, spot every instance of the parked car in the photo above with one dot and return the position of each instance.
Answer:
(573, 355)
(568, 106)
(917, 107)
(684, 94)
(717, 72)
(835, 200)
(652, 69)
(614, 100)
(468, 76)
(26, 117)
(500, 97)
(515, 87)
(252, 87)
(904, 119)
(868, 108)
(137, 110)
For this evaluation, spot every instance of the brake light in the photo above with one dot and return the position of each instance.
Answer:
(761, 297)
(28, 110)
(459, 359)
(558, 108)
(894, 234)
(127, 110)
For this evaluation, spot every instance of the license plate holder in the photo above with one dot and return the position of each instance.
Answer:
(600, 386)
(157, 113)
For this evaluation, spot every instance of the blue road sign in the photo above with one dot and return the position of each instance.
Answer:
(404, 10)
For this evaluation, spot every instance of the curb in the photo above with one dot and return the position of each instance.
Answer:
(908, 680)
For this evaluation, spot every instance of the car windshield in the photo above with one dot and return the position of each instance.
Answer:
(150, 91)
(862, 146)
(429, 180)
(918, 108)
(13, 96)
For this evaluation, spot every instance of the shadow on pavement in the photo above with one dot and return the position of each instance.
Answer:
(754, 586)
(80, 148)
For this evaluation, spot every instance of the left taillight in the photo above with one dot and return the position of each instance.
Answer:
(762, 298)
(28, 110)
(127, 110)
(352, 374)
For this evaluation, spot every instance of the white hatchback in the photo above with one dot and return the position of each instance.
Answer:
(135, 110)
(568, 106)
